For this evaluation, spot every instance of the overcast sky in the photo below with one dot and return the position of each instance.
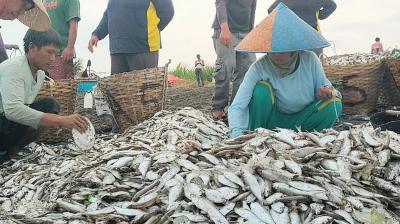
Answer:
(352, 28)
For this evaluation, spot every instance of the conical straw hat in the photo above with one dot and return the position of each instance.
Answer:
(36, 18)
(282, 31)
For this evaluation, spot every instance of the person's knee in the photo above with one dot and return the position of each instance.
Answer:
(332, 107)
(264, 90)
(331, 111)
(47, 105)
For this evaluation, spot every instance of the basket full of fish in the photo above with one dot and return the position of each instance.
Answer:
(394, 68)
(367, 80)
(361, 85)
(180, 167)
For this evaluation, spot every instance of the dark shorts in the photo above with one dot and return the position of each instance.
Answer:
(129, 62)
(12, 132)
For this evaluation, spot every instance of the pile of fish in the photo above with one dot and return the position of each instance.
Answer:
(361, 58)
(181, 168)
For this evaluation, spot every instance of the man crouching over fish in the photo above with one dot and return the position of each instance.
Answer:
(286, 88)
(21, 117)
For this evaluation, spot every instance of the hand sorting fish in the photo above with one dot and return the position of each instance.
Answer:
(182, 168)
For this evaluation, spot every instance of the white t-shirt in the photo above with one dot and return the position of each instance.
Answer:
(199, 64)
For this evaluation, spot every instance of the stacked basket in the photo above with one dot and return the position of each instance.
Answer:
(366, 86)
(390, 88)
(135, 96)
(64, 91)
(361, 85)
(394, 68)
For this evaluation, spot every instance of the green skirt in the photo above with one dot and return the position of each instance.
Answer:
(315, 117)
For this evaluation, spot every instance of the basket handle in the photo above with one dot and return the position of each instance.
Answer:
(52, 84)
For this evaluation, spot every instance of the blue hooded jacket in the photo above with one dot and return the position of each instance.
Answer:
(135, 26)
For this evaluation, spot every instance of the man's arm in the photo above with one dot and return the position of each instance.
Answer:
(226, 36)
(68, 53)
(72, 17)
(328, 7)
(272, 7)
(102, 29)
(165, 11)
(222, 14)
(253, 14)
(74, 121)
(12, 93)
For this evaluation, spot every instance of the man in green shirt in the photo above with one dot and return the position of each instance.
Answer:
(64, 16)
(21, 118)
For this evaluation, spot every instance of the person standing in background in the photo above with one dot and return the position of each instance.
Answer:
(30, 12)
(310, 11)
(64, 15)
(199, 65)
(134, 28)
(377, 47)
(233, 21)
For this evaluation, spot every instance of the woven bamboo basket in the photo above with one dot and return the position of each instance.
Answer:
(64, 91)
(390, 91)
(361, 85)
(394, 68)
(101, 124)
(135, 96)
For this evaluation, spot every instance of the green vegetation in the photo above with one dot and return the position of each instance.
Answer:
(186, 73)
(78, 66)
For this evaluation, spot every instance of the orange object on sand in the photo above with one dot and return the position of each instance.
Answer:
(173, 80)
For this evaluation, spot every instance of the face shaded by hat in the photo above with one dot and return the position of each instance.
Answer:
(30, 12)
(282, 31)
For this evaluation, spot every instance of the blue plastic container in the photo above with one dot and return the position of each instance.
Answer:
(86, 86)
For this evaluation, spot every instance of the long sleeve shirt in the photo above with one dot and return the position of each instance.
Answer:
(18, 89)
(239, 14)
(308, 10)
(292, 93)
(135, 26)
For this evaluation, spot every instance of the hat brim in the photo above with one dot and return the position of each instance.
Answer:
(282, 31)
(37, 18)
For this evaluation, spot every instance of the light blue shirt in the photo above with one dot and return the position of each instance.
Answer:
(293, 92)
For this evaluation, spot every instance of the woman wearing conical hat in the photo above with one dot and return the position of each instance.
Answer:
(287, 88)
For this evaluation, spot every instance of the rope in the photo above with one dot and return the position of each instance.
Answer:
(334, 104)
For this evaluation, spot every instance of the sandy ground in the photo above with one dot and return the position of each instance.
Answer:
(188, 94)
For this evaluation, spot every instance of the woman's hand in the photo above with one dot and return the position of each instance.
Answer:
(325, 92)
